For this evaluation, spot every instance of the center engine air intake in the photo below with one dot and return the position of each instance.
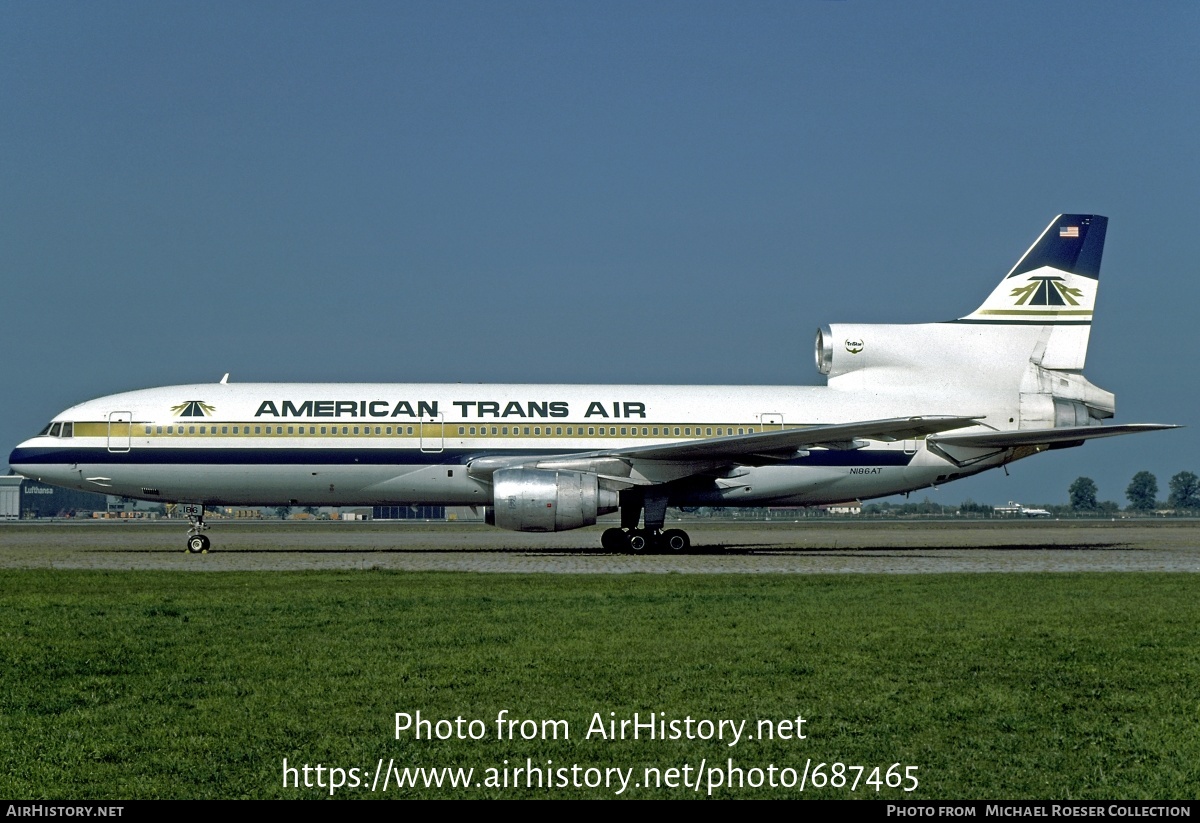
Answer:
(543, 500)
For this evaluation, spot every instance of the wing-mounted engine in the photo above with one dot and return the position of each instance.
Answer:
(541, 500)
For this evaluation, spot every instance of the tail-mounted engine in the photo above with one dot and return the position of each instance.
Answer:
(541, 500)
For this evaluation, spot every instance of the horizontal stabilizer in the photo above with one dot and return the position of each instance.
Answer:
(1043, 437)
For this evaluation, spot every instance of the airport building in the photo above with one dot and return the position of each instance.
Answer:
(24, 499)
(460, 513)
(10, 497)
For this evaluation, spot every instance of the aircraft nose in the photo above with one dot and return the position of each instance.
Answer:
(29, 459)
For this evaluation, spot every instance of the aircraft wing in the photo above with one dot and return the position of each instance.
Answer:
(660, 463)
(1060, 437)
(770, 446)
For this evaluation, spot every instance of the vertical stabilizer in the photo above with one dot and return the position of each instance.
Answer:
(1054, 284)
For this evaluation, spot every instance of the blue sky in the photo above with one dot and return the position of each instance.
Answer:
(570, 192)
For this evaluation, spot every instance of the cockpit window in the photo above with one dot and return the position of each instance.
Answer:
(68, 430)
(45, 431)
(55, 429)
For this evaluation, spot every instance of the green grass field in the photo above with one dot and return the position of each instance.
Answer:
(150, 684)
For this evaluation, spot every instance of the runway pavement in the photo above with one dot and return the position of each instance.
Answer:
(720, 547)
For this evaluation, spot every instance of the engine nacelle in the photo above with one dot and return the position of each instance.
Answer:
(845, 348)
(878, 355)
(542, 500)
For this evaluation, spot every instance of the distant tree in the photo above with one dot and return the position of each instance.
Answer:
(1185, 491)
(1083, 495)
(282, 512)
(1109, 507)
(969, 506)
(1142, 492)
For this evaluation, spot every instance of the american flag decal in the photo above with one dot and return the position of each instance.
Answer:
(1068, 231)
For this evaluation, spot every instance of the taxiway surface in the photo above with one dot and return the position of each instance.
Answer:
(806, 547)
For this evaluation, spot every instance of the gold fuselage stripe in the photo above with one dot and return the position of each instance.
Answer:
(417, 430)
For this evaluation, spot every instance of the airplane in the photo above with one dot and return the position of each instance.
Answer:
(904, 407)
(1023, 511)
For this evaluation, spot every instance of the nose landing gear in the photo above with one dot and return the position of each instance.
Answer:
(197, 543)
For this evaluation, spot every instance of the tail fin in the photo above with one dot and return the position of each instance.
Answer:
(1054, 284)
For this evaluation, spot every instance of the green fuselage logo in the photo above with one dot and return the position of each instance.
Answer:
(193, 408)
(1046, 291)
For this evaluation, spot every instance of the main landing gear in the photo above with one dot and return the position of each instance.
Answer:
(645, 541)
(197, 543)
(650, 539)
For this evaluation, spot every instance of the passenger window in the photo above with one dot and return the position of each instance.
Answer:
(708, 430)
(279, 429)
(687, 430)
(622, 430)
(291, 429)
(462, 430)
(410, 429)
(148, 429)
(505, 430)
(191, 429)
(537, 430)
(158, 430)
(591, 430)
(557, 430)
(526, 430)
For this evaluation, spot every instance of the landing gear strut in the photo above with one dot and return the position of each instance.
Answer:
(630, 538)
(197, 543)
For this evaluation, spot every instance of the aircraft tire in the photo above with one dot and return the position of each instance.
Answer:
(198, 544)
(639, 542)
(675, 540)
(613, 539)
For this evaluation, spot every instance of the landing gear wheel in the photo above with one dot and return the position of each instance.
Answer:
(197, 543)
(675, 540)
(613, 539)
(639, 542)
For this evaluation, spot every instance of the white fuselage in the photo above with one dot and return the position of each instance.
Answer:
(377, 444)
